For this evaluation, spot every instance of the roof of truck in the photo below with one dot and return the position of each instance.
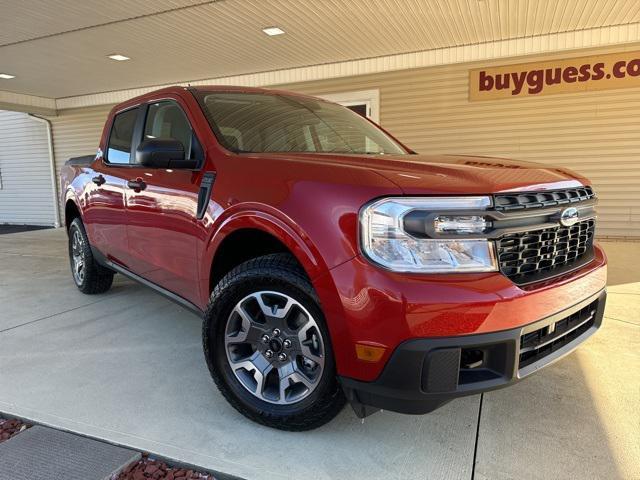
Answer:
(219, 88)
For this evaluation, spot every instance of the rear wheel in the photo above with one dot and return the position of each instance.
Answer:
(268, 348)
(89, 276)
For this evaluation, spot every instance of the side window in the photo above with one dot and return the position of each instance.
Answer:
(119, 149)
(166, 120)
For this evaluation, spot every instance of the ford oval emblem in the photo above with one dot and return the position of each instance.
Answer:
(569, 216)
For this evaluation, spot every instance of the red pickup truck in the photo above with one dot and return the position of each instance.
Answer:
(330, 262)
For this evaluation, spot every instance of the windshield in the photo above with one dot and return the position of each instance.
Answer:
(256, 123)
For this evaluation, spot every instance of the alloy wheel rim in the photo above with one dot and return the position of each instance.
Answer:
(77, 257)
(274, 347)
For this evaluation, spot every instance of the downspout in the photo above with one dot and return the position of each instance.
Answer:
(52, 168)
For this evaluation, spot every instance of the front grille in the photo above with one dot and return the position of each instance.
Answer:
(525, 257)
(524, 200)
(536, 345)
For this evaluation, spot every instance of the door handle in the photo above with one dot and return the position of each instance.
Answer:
(98, 180)
(137, 184)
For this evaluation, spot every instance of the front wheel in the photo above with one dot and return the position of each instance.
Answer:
(268, 348)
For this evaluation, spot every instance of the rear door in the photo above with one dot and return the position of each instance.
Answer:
(105, 212)
(162, 229)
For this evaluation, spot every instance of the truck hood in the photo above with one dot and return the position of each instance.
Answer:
(451, 174)
(425, 174)
(422, 174)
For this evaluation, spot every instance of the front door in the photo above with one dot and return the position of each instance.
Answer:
(105, 212)
(162, 228)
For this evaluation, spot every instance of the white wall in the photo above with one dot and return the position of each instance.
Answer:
(26, 193)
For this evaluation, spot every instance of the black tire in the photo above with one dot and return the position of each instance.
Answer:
(280, 273)
(95, 278)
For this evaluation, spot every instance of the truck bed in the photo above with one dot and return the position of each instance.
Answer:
(83, 161)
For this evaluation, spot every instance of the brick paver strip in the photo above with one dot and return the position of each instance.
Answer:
(41, 453)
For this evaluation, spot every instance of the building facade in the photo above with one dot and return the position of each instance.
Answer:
(591, 128)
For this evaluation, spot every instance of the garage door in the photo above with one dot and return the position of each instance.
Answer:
(76, 132)
(26, 193)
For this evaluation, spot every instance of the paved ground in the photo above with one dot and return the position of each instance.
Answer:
(127, 366)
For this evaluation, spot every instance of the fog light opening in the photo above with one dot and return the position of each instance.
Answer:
(471, 358)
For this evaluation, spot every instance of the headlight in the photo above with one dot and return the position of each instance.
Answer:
(385, 239)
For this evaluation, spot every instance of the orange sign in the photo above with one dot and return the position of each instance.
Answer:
(598, 72)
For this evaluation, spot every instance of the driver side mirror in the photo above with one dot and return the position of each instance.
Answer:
(163, 153)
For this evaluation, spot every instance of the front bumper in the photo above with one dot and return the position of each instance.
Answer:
(367, 305)
(424, 374)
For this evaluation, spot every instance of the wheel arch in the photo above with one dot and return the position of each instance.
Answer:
(238, 247)
(71, 211)
(262, 234)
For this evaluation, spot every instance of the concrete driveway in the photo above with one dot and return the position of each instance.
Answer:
(127, 366)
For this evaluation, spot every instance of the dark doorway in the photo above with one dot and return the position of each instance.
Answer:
(360, 109)
(19, 228)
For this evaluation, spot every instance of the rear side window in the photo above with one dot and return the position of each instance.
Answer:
(119, 149)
